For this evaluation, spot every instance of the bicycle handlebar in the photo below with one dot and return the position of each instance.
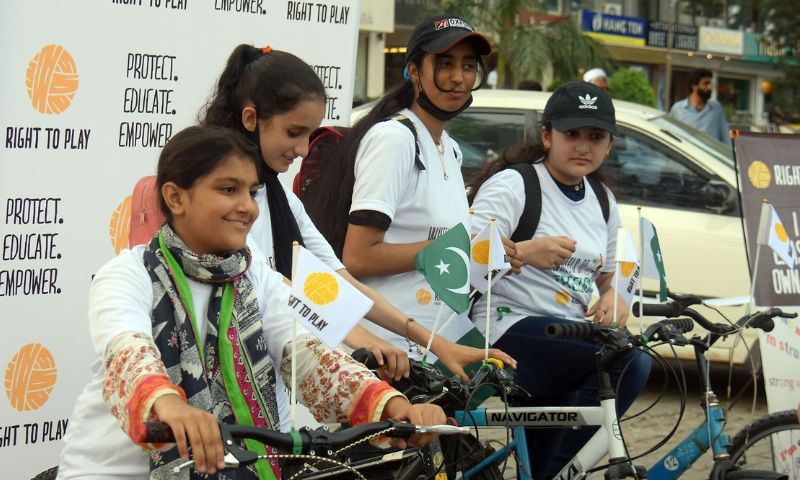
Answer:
(680, 305)
(305, 441)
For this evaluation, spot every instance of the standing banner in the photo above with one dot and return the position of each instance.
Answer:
(769, 169)
(91, 91)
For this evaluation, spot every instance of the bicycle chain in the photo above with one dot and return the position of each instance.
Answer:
(319, 459)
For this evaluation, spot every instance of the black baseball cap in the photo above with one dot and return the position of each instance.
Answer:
(440, 33)
(580, 104)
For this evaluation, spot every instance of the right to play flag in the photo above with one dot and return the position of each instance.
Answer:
(324, 302)
(772, 233)
(481, 247)
(652, 260)
(628, 266)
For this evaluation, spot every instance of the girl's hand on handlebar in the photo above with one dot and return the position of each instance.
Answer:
(398, 408)
(393, 361)
(455, 357)
(198, 426)
(603, 310)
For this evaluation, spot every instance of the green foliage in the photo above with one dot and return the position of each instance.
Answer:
(631, 85)
(526, 51)
(553, 86)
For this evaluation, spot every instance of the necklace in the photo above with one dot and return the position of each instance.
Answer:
(440, 149)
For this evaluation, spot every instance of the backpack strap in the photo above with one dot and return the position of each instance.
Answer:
(532, 212)
(602, 196)
(410, 125)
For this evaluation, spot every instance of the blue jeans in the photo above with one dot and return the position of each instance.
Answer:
(563, 372)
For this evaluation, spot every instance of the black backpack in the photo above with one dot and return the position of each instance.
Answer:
(532, 212)
(321, 143)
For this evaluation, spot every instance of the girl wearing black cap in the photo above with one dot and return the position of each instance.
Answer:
(572, 247)
(397, 188)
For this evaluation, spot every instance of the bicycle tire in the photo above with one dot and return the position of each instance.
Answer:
(49, 474)
(753, 446)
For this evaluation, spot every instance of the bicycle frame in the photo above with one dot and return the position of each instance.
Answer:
(607, 440)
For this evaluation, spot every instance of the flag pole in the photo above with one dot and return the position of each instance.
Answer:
(445, 324)
(433, 331)
(763, 227)
(641, 277)
(619, 254)
(488, 290)
(293, 394)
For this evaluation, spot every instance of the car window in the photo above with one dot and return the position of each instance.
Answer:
(642, 171)
(483, 133)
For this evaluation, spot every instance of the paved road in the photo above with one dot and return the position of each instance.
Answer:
(647, 430)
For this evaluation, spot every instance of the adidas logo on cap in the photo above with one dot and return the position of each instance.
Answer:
(587, 102)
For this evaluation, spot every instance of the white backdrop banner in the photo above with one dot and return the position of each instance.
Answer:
(90, 92)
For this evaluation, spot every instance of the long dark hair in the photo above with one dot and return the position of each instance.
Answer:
(527, 151)
(275, 82)
(328, 202)
(195, 152)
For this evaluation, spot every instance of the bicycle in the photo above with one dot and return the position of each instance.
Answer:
(305, 445)
(427, 384)
(732, 459)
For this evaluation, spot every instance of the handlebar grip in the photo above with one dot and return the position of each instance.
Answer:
(366, 357)
(156, 432)
(654, 309)
(685, 325)
(570, 330)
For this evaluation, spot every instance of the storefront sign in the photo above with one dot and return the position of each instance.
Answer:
(721, 40)
(614, 28)
(684, 37)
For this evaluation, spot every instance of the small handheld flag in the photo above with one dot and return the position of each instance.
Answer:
(652, 259)
(772, 233)
(479, 266)
(445, 265)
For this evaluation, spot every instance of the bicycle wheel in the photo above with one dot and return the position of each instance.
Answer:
(771, 443)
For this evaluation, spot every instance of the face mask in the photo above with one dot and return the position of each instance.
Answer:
(426, 104)
(704, 94)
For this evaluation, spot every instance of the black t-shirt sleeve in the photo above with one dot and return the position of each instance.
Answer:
(370, 218)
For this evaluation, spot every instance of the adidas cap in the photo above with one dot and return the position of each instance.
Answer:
(580, 104)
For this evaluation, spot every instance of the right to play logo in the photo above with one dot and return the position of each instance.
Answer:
(51, 79)
(30, 377)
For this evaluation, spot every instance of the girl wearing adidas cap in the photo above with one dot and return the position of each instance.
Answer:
(276, 100)
(572, 246)
(394, 183)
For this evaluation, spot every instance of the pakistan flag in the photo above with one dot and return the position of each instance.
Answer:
(445, 265)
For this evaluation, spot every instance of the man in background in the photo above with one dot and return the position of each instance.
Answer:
(598, 77)
(700, 110)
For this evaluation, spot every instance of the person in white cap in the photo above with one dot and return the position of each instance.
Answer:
(598, 77)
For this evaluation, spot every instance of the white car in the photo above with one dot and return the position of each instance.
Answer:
(683, 179)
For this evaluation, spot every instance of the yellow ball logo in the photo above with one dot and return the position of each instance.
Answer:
(51, 79)
(626, 268)
(781, 233)
(424, 297)
(119, 228)
(759, 175)
(562, 298)
(480, 252)
(321, 288)
(30, 377)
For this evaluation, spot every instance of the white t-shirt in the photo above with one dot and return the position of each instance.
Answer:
(261, 232)
(563, 292)
(421, 205)
(261, 236)
(121, 300)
